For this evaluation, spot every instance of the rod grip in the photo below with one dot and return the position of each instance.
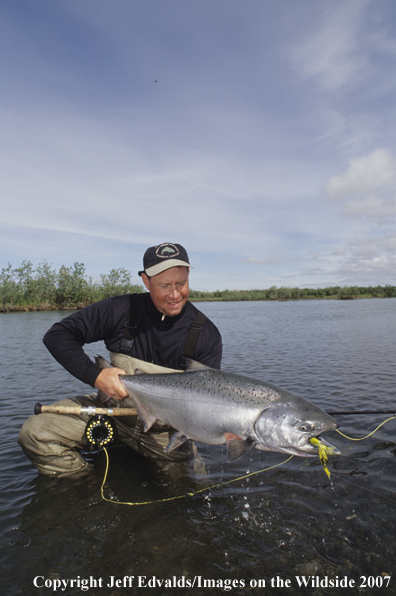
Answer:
(78, 410)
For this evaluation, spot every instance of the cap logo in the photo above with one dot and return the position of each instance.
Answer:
(165, 251)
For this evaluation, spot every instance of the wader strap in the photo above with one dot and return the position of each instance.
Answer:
(192, 338)
(135, 302)
(131, 326)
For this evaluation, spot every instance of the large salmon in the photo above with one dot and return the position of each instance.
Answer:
(215, 407)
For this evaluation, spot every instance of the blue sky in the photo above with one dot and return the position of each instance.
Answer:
(258, 134)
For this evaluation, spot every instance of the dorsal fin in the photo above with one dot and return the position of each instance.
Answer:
(194, 365)
(102, 397)
(137, 371)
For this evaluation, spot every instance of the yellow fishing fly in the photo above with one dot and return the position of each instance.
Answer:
(324, 450)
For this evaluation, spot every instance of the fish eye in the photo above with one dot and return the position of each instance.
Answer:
(305, 427)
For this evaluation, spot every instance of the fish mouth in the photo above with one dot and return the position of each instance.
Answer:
(313, 450)
(308, 449)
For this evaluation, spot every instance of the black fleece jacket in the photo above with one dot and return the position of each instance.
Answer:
(158, 341)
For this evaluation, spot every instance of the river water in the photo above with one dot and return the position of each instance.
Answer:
(264, 534)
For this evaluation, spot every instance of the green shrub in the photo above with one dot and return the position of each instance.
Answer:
(69, 288)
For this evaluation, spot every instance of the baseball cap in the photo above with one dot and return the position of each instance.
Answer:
(157, 259)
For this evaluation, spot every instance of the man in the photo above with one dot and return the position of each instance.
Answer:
(155, 332)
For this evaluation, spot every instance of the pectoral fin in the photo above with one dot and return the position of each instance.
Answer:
(236, 447)
(145, 416)
(176, 440)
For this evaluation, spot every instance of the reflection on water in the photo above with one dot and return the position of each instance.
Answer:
(288, 521)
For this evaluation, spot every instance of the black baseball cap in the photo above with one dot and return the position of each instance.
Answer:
(157, 259)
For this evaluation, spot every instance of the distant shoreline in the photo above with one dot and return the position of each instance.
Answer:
(72, 307)
(27, 289)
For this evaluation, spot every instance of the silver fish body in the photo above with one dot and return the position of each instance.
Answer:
(215, 407)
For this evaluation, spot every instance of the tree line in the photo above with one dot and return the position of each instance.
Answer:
(286, 293)
(43, 288)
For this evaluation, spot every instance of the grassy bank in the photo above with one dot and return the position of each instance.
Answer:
(26, 288)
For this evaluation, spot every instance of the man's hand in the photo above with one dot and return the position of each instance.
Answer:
(108, 382)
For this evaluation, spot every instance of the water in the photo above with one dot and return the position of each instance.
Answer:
(277, 525)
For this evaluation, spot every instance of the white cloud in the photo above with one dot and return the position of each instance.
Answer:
(367, 187)
(364, 176)
(377, 208)
(368, 261)
(332, 54)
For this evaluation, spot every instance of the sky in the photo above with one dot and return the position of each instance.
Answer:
(259, 134)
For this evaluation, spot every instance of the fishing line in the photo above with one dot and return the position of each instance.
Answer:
(324, 450)
(184, 496)
(222, 483)
(370, 434)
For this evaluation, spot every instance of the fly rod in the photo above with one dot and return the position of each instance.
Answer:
(101, 429)
(90, 410)
(358, 413)
(93, 410)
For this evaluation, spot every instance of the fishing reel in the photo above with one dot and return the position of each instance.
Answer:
(100, 431)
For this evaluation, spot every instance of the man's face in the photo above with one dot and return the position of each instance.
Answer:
(169, 290)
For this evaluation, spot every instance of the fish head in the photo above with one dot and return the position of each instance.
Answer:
(289, 426)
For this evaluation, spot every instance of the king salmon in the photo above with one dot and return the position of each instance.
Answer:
(216, 407)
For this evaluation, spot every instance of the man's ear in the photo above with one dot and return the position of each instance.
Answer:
(146, 281)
